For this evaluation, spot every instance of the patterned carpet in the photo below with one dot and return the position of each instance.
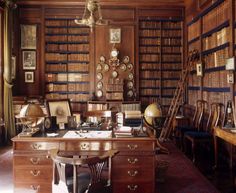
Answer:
(182, 176)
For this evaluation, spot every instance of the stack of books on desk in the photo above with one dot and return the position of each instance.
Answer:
(133, 118)
(124, 132)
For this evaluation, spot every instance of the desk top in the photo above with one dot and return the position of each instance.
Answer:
(61, 136)
(227, 134)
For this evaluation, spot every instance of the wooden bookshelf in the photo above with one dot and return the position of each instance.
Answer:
(160, 59)
(67, 61)
(209, 32)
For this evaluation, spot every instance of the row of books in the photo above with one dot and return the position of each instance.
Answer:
(149, 57)
(170, 74)
(78, 87)
(55, 57)
(157, 66)
(168, 91)
(150, 83)
(148, 74)
(66, 77)
(56, 68)
(194, 45)
(130, 107)
(218, 97)
(123, 131)
(67, 30)
(194, 30)
(165, 101)
(171, 58)
(193, 97)
(78, 107)
(172, 33)
(218, 58)
(72, 97)
(216, 17)
(78, 67)
(114, 95)
(144, 49)
(97, 107)
(194, 80)
(146, 41)
(150, 33)
(158, 24)
(216, 39)
(66, 38)
(216, 79)
(67, 47)
(149, 99)
(171, 41)
(148, 91)
(176, 49)
(79, 57)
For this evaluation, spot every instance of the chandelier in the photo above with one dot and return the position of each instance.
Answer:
(92, 15)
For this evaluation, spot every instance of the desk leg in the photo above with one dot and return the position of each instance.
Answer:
(215, 152)
(231, 157)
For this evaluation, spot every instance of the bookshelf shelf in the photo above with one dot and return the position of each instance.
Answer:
(67, 58)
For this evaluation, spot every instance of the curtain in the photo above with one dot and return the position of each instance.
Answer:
(7, 76)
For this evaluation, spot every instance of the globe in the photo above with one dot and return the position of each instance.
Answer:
(152, 113)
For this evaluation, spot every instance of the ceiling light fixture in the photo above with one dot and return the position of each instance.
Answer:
(92, 15)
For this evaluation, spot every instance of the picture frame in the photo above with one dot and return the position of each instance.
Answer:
(199, 69)
(59, 108)
(115, 35)
(29, 60)
(28, 36)
(29, 77)
(13, 67)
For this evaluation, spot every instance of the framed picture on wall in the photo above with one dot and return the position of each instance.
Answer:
(115, 35)
(28, 36)
(29, 77)
(13, 67)
(29, 60)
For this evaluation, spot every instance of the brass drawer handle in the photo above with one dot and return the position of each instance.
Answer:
(36, 146)
(132, 147)
(133, 173)
(35, 173)
(132, 161)
(84, 146)
(33, 187)
(34, 161)
(132, 187)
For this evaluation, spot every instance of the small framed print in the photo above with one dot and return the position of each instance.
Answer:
(199, 69)
(29, 60)
(115, 35)
(29, 77)
(28, 36)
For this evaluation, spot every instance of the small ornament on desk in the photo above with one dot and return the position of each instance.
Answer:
(229, 119)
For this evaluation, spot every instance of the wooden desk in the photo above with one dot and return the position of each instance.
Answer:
(226, 135)
(132, 168)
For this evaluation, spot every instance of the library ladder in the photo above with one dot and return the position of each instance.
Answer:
(177, 98)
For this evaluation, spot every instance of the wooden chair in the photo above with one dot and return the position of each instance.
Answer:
(193, 125)
(214, 119)
(87, 179)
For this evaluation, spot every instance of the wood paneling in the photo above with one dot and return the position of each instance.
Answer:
(1, 62)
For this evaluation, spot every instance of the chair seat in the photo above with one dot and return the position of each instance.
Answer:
(198, 135)
(83, 180)
(185, 128)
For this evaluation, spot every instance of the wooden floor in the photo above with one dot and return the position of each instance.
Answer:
(222, 179)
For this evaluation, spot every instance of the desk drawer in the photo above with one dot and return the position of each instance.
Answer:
(31, 160)
(35, 146)
(132, 174)
(33, 174)
(139, 187)
(133, 146)
(33, 187)
(133, 161)
(85, 146)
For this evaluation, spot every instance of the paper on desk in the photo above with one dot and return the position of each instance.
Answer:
(52, 134)
(89, 134)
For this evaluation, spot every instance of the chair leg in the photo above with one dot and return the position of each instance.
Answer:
(193, 151)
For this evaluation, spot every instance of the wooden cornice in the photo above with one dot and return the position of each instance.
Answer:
(133, 3)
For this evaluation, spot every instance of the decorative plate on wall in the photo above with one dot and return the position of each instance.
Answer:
(126, 59)
(130, 93)
(130, 66)
(130, 85)
(123, 67)
(99, 85)
(130, 76)
(114, 74)
(102, 59)
(99, 93)
(106, 67)
(99, 67)
(99, 76)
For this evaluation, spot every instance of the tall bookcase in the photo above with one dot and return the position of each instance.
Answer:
(209, 34)
(160, 59)
(67, 61)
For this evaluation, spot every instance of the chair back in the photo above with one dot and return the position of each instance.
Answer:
(201, 107)
(215, 116)
(62, 159)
